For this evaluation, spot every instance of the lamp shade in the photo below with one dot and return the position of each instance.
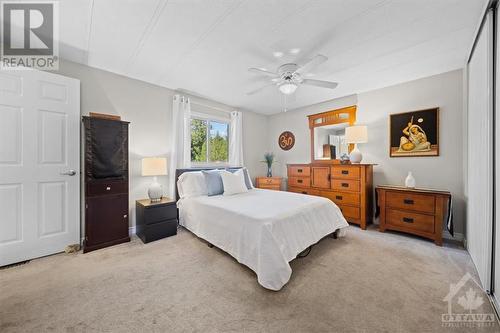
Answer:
(154, 166)
(356, 134)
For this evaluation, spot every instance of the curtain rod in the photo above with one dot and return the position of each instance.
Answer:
(210, 106)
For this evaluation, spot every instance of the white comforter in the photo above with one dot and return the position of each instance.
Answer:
(262, 229)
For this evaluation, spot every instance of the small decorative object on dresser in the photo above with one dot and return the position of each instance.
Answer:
(269, 183)
(154, 166)
(416, 211)
(410, 180)
(155, 220)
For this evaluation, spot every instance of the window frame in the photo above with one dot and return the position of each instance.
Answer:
(209, 118)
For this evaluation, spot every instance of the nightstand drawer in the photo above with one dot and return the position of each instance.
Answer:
(159, 230)
(269, 181)
(269, 187)
(408, 220)
(410, 201)
(159, 213)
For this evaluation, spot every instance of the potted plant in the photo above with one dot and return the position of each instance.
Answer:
(269, 160)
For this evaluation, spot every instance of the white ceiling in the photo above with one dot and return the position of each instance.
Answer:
(206, 46)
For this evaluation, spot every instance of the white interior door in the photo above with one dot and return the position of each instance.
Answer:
(480, 154)
(39, 146)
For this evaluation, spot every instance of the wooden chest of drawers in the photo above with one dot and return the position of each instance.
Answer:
(268, 183)
(347, 185)
(416, 211)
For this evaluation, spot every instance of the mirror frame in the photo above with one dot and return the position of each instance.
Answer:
(330, 118)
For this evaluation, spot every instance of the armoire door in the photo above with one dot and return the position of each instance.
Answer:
(39, 164)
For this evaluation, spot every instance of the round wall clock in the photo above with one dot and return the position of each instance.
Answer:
(286, 140)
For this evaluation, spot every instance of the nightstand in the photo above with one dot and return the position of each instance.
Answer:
(269, 183)
(155, 220)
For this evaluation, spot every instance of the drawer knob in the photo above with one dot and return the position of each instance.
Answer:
(345, 172)
(407, 220)
(338, 197)
(408, 201)
(299, 181)
(299, 170)
(268, 181)
(304, 192)
(345, 185)
(125, 216)
(108, 188)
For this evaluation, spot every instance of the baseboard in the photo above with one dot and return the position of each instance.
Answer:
(131, 231)
(458, 237)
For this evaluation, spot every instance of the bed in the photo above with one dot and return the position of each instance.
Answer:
(262, 229)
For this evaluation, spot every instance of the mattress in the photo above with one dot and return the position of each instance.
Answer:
(262, 229)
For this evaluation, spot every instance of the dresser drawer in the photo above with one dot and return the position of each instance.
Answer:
(346, 172)
(160, 213)
(405, 220)
(350, 212)
(345, 185)
(299, 181)
(342, 198)
(410, 201)
(299, 170)
(106, 188)
(309, 191)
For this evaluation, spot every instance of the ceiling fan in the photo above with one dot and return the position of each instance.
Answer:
(289, 76)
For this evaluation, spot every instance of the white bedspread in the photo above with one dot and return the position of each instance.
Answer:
(262, 229)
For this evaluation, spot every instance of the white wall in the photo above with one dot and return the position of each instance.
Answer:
(444, 172)
(149, 110)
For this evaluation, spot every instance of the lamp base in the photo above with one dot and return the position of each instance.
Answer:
(355, 156)
(155, 191)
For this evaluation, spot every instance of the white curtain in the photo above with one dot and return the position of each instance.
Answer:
(180, 156)
(236, 139)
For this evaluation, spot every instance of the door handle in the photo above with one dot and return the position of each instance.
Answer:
(69, 173)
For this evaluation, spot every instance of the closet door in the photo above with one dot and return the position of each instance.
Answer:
(480, 154)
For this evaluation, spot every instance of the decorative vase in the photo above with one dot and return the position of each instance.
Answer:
(410, 180)
(269, 171)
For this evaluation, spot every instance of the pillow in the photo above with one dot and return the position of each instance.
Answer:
(248, 180)
(191, 184)
(234, 183)
(214, 182)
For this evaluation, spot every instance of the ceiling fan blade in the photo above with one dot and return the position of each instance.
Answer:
(319, 83)
(261, 88)
(263, 71)
(315, 61)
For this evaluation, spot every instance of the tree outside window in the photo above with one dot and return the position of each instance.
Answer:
(209, 141)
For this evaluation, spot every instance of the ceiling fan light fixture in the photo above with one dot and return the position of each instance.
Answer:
(288, 88)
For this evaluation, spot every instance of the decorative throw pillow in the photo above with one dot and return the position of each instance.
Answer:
(214, 182)
(191, 184)
(248, 180)
(234, 183)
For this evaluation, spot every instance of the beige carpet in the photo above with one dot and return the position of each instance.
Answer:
(365, 282)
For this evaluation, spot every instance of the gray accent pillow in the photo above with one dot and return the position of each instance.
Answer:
(214, 182)
(248, 182)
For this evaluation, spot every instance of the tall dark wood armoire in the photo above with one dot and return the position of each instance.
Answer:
(106, 183)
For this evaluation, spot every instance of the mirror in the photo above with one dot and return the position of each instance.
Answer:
(330, 142)
(328, 134)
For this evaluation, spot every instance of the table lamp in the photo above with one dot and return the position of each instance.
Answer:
(355, 135)
(154, 166)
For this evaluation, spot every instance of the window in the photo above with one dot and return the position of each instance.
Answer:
(209, 141)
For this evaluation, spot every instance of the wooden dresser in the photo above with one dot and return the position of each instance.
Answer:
(416, 211)
(350, 186)
(268, 183)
